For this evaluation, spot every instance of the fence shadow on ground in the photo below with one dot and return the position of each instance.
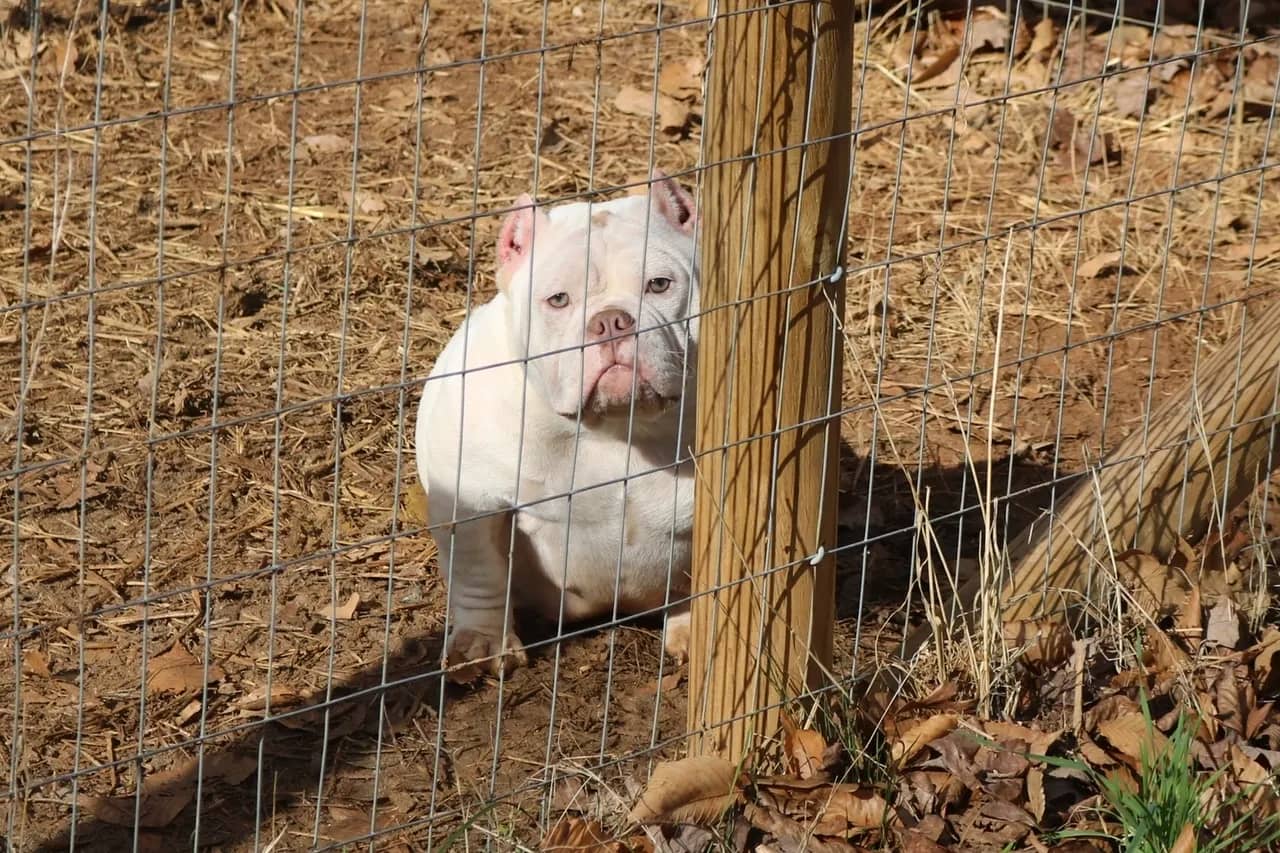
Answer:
(286, 758)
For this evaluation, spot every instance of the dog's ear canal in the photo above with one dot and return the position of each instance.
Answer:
(515, 240)
(672, 202)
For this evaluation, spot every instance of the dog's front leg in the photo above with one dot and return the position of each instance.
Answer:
(473, 557)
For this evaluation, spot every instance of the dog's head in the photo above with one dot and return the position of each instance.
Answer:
(604, 299)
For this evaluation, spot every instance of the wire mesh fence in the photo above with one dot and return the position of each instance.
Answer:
(237, 238)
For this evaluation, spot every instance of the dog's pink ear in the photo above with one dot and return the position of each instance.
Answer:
(516, 238)
(672, 202)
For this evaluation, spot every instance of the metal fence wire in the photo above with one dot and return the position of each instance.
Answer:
(235, 237)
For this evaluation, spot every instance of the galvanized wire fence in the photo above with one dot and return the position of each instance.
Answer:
(237, 236)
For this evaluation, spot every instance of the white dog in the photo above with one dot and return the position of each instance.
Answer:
(551, 431)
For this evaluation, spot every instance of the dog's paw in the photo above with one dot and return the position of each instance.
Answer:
(472, 653)
(677, 640)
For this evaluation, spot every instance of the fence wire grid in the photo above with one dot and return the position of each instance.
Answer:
(235, 237)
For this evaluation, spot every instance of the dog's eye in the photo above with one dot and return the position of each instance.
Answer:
(658, 285)
(558, 300)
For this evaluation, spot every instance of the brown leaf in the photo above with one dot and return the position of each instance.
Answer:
(987, 27)
(694, 790)
(1157, 589)
(35, 662)
(1226, 700)
(1186, 841)
(955, 759)
(326, 143)
(342, 612)
(1098, 264)
(1007, 812)
(1258, 716)
(1132, 92)
(1044, 36)
(167, 792)
(1165, 655)
(1122, 776)
(1007, 760)
(805, 750)
(790, 832)
(581, 836)
(1190, 621)
(682, 80)
(929, 73)
(672, 115)
(344, 717)
(920, 735)
(415, 502)
(1108, 708)
(1224, 624)
(177, 671)
(1266, 671)
(1094, 754)
(1035, 792)
(824, 808)
(916, 842)
(857, 806)
(1042, 643)
(364, 201)
(283, 697)
(1134, 737)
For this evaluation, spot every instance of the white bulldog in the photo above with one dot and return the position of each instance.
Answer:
(559, 451)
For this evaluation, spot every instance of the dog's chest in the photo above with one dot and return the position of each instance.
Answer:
(602, 496)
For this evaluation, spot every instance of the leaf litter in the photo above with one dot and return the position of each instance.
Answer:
(961, 782)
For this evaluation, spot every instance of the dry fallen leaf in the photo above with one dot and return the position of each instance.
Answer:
(364, 201)
(805, 750)
(35, 662)
(1158, 590)
(283, 697)
(928, 73)
(1224, 624)
(987, 27)
(920, 735)
(1132, 92)
(1094, 754)
(343, 612)
(415, 502)
(325, 143)
(1134, 737)
(1041, 644)
(1044, 36)
(578, 835)
(1165, 655)
(790, 833)
(682, 80)
(1227, 700)
(694, 790)
(344, 717)
(673, 116)
(167, 792)
(1035, 792)
(177, 671)
(1266, 666)
(1186, 841)
(1098, 264)
(824, 808)
(1190, 621)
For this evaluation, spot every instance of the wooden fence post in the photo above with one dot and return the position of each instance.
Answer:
(774, 196)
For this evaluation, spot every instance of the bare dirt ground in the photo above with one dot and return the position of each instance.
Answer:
(218, 318)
